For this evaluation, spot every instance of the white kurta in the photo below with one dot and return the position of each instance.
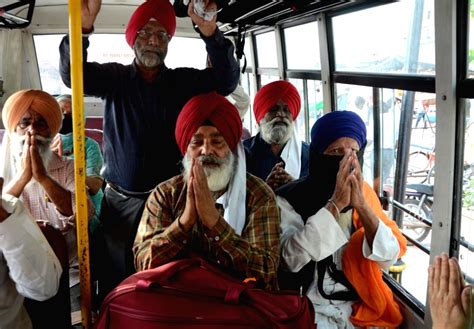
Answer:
(323, 236)
(28, 265)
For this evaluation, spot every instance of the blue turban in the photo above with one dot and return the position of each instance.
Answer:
(335, 125)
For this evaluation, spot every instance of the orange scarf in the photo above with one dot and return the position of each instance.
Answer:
(376, 306)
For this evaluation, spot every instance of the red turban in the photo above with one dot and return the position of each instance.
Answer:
(161, 10)
(39, 101)
(271, 93)
(208, 107)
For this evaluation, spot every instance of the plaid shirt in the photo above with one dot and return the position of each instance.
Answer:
(255, 253)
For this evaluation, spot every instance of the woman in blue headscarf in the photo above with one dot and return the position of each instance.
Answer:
(335, 235)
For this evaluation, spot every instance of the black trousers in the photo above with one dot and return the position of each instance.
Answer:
(111, 245)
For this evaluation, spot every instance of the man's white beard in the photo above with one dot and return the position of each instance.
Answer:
(217, 177)
(18, 144)
(275, 132)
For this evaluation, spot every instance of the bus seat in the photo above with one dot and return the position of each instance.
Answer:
(94, 122)
(56, 311)
(95, 134)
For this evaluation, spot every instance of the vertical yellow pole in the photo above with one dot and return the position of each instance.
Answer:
(75, 34)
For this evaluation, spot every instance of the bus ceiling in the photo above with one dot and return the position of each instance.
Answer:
(16, 14)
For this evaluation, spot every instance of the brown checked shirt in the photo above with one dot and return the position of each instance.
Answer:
(255, 253)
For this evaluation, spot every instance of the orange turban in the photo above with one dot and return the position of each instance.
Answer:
(161, 10)
(39, 101)
(210, 107)
(271, 93)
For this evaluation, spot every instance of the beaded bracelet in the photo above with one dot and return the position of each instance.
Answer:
(331, 201)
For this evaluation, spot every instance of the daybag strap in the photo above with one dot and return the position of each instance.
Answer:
(328, 265)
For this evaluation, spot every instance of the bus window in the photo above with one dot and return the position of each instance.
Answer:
(358, 99)
(302, 55)
(248, 53)
(404, 42)
(315, 101)
(300, 122)
(248, 84)
(266, 50)
(471, 41)
(110, 48)
(466, 255)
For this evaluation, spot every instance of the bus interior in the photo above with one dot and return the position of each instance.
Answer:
(406, 67)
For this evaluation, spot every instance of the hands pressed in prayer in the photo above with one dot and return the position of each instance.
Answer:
(278, 176)
(205, 203)
(189, 216)
(38, 169)
(342, 191)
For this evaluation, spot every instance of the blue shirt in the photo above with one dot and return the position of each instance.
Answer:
(93, 166)
(139, 146)
(261, 160)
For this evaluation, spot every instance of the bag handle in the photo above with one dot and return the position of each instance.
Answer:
(231, 295)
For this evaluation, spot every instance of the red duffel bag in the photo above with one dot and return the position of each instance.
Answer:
(191, 293)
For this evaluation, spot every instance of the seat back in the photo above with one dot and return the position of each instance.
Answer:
(56, 311)
(95, 134)
(94, 122)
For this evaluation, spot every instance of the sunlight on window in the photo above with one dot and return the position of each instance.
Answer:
(404, 43)
(471, 41)
(182, 52)
(302, 55)
(266, 50)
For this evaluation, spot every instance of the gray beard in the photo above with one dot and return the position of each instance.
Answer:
(17, 144)
(274, 133)
(149, 59)
(217, 178)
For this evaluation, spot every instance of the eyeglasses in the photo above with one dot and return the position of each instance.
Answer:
(39, 124)
(162, 36)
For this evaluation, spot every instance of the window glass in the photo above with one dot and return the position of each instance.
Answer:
(315, 102)
(247, 53)
(266, 50)
(466, 257)
(397, 38)
(391, 101)
(418, 198)
(266, 79)
(471, 41)
(110, 48)
(302, 55)
(358, 99)
(249, 87)
(300, 123)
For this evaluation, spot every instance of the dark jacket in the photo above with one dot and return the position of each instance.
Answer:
(140, 150)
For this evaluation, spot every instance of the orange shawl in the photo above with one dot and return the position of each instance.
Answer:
(376, 306)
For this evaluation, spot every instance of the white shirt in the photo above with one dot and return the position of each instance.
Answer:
(323, 236)
(28, 265)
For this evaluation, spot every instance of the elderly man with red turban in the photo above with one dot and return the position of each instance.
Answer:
(142, 102)
(32, 172)
(276, 154)
(214, 208)
(336, 237)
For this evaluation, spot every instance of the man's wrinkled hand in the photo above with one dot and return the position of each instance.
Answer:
(207, 28)
(205, 204)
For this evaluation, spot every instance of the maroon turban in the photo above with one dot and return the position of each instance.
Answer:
(161, 10)
(271, 93)
(210, 107)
